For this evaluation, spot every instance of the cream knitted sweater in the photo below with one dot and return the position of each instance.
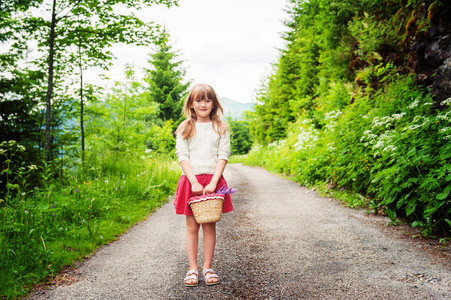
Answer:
(204, 149)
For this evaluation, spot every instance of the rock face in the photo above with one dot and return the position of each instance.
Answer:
(430, 52)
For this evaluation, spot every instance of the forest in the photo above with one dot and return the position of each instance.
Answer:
(358, 104)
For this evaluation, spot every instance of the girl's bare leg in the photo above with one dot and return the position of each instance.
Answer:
(192, 239)
(209, 236)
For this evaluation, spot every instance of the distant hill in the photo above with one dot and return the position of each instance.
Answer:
(235, 109)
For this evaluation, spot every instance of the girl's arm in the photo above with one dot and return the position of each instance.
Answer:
(220, 166)
(223, 156)
(196, 187)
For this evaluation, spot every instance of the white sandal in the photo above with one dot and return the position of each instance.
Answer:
(192, 275)
(210, 276)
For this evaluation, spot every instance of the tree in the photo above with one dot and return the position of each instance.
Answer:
(165, 81)
(126, 120)
(240, 142)
(87, 27)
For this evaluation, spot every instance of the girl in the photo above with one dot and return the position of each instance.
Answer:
(203, 149)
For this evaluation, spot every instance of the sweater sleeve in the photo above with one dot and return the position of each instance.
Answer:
(181, 148)
(224, 146)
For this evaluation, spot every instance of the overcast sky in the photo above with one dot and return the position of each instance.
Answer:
(229, 44)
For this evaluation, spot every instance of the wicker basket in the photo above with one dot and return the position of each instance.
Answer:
(207, 208)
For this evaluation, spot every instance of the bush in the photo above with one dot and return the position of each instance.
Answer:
(392, 146)
(45, 229)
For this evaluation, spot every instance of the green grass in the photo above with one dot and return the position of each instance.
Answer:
(45, 230)
(237, 159)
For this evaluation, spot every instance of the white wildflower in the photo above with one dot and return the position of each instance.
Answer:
(331, 149)
(446, 101)
(411, 128)
(143, 157)
(398, 116)
(305, 138)
(384, 121)
(330, 127)
(413, 104)
(106, 181)
(332, 114)
(148, 151)
(379, 144)
(389, 148)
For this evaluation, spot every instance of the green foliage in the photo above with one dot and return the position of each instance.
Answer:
(161, 139)
(58, 40)
(240, 142)
(395, 150)
(45, 229)
(376, 38)
(340, 109)
(127, 119)
(165, 82)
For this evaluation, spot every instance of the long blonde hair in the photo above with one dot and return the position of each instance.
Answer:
(201, 91)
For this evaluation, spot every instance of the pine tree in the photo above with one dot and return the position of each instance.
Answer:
(166, 81)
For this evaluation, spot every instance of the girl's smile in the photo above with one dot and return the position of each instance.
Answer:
(202, 108)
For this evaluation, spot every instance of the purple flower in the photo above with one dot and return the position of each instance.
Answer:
(76, 190)
(224, 190)
(122, 187)
(53, 206)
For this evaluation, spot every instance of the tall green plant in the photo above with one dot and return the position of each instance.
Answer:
(165, 81)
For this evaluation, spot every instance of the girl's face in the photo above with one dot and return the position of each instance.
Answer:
(202, 108)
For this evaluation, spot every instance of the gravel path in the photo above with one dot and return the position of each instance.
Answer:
(282, 241)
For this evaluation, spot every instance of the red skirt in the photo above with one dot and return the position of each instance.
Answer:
(184, 192)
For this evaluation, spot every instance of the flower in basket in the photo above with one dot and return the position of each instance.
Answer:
(224, 191)
(219, 194)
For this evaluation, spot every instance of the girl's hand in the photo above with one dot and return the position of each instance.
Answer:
(210, 188)
(197, 189)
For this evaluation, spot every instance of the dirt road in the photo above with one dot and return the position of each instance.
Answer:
(282, 241)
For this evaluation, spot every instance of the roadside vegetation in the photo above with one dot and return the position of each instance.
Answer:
(344, 108)
(46, 228)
